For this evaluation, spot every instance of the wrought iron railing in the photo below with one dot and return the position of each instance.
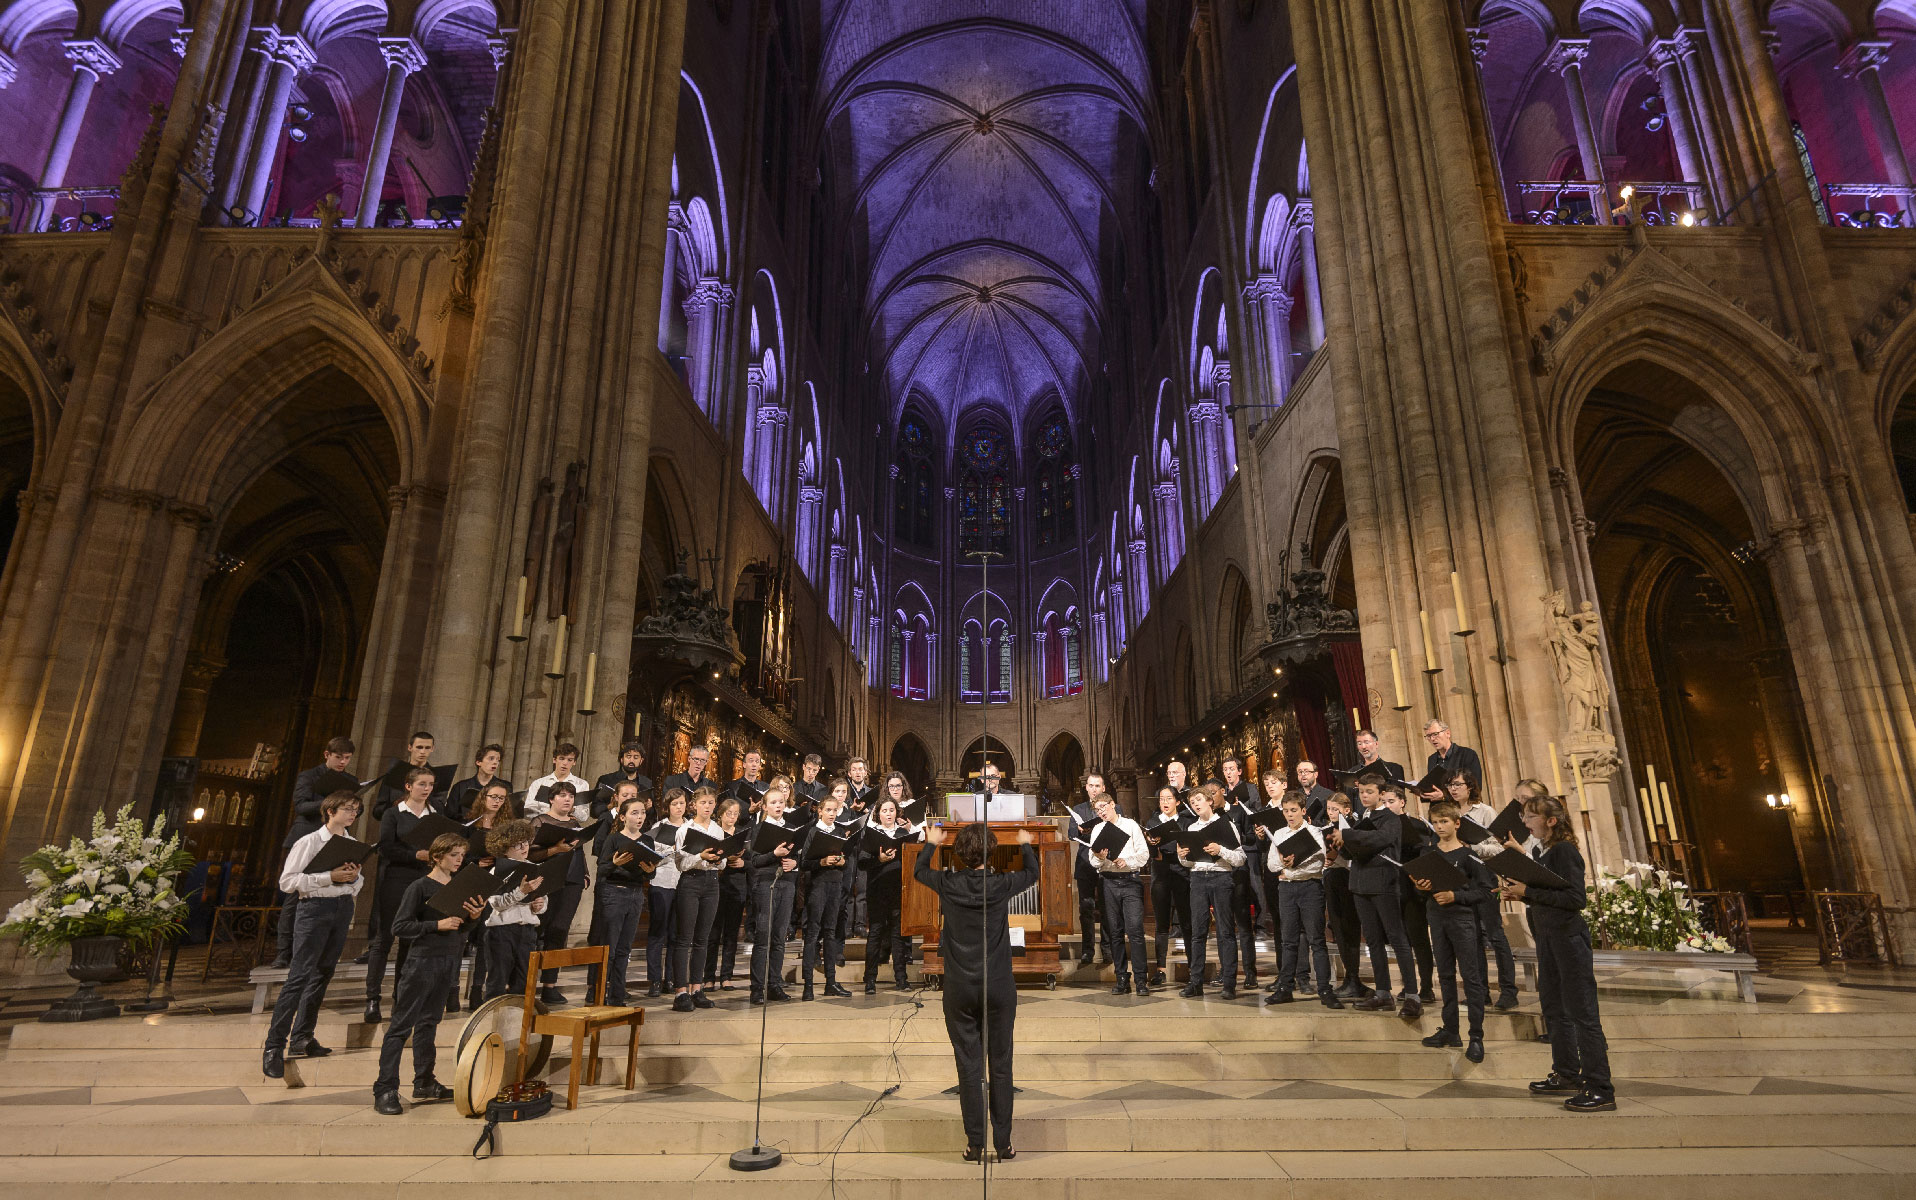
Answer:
(1875, 212)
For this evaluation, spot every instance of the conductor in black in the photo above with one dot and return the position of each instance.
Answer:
(980, 997)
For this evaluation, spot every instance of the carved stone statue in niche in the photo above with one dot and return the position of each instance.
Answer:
(1576, 645)
(565, 536)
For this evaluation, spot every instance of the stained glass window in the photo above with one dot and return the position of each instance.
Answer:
(912, 490)
(1055, 511)
(984, 493)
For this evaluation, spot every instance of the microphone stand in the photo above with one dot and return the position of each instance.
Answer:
(758, 1156)
(984, 557)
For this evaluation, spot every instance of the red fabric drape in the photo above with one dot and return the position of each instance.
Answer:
(1348, 658)
(1312, 731)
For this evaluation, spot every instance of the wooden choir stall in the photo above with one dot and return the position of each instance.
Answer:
(1044, 912)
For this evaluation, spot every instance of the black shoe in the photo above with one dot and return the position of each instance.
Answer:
(1192, 991)
(682, 1002)
(452, 1002)
(1280, 995)
(1157, 977)
(652, 989)
(1427, 996)
(272, 1062)
(282, 962)
(900, 985)
(1588, 1101)
(809, 994)
(1554, 1084)
(1121, 988)
(1443, 1038)
(1143, 989)
(778, 995)
(1475, 1051)
(551, 995)
(1507, 1001)
(1375, 1002)
(386, 1104)
(1329, 1000)
(372, 1016)
(758, 998)
(310, 1048)
(431, 1089)
(701, 1000)
(1350, 989)
(1006, 1154)
(1412, 1010)
(1083, 962)
(832, 988)
(364, 957)
(871, 987)
(474, 1000)
(1250, 981)
(1229, 992)
(974, 1153)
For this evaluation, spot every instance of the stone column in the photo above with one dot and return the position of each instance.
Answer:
(811, 507)
(1809, 814)
(292, 57)
(705, 312)
(772, 423)
(91, 60)
(1863, 62)
(501, 50)
(1666, 61)
(403, 57)
(1206, 415)
(1313, 295)
(1271, 312)
(1227, 444)
(189, 711)
(1566, 59)
(1169, 518)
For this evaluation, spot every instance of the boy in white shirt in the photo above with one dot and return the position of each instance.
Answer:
(512, 927)
(1123, 892)
(322, 919)
(1211, 890)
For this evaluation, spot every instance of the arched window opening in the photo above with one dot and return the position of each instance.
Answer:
(913, 504)
(984, 493)
(1056, 509)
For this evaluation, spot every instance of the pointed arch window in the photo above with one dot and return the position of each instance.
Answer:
(914, 496)
(1055, 510)
(984, 493)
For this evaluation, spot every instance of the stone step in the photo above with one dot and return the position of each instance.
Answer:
(611, 1122)
(1791, 1170)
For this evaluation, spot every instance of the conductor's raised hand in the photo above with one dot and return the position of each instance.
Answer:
(1026, 837)
(935, 835)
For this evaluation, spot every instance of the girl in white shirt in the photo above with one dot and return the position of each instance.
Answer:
(697, 900)
(660, 896)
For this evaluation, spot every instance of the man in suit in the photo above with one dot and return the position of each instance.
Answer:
(310, 788)
(980, 996)
(1370, 758)
(631, 759)
(1247, 881)
(1450, 756)
(1316, 795)
(1374, 883)
(688, 780)
(1084, 874)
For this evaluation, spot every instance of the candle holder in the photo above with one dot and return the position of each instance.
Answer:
(586, 712)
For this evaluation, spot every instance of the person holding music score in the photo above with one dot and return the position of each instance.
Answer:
(772, 879)
(981, 999)
(1300, 904)
(1316, 795)
(824, 893)
(1210, 893)
(1374, 886)
(1257, 842)
(489, 807)
(884, 884)
(431, 970)
(721, 953)
(623, 875)
(310, 789)
(852, 914)
(1170, 878)
(749, 788)
(1371, 760)
(605, 789)
(1123, 892)
(459, 796)
(660, 896)
(1084, 876)
(1240, 802)
(610, 821)
(1453, 926)
(555, 925)
(1339, 906)
(1566, 980)
(325, 916)
(1174, 778)
(512, 927)
(1491, 938)
(565, 760)
(1446, 753)
(697, 901)
(399, 864)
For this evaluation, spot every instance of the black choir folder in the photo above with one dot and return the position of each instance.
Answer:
(1526, 870)
(1509, 823)
(551, 874)
(550, 832)
(1300, 846)
(1433, 868)
(877, 840)
(472, 880)
(698, 841)
(429, 827)
(1110, 839)
(1470, 833)
(1195, 840)
(640, 851)
(824, 845)
(337, 852)
(1270, 819)
(770, 835)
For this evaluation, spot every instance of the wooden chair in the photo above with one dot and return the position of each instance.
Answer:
(580, 1023)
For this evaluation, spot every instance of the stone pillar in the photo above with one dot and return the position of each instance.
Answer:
(403, 58)
(1227, 444)
(189, 711)
(811, 508)
(242, 123)
(1863, 62)
(1206, 437)
(1313, 295)
(772, 423)
(706, 310)
(91, 60)
(292, 57)
(1666, 61)
(1809, 813)
(1169, 517)
(1271, 313)
(1566, 59)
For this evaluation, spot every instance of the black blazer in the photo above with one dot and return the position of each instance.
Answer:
(1460, 758)
(973, 904)
(1366, 848)
(1558, 911)
(306, 798)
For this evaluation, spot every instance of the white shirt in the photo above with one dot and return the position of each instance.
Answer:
(1483, 814)
(314, 885)
(1228, 859)
(538, 807)
(510, 908)
(1131, 859)
(666, 874)
(1310, 868)
(684, 860)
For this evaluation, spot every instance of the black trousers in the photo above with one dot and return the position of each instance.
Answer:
(555, 925)
(852, 913)
(1382, 916)
(969, 1009)
(721, 953)
(659, 934)
(1345, 925)
(320, 935)
(476, 981)
(393, 882)
(822, 905)
(1091, 914)
(772, 898)
(419, 1000)
(288, 908)
(1491, 938)
(618, 912)
(1124, 924)
(1453, 937)
(697, 908)
(1211, 893)
(1300, 907)
(1417, 929)
(1170, 899)
(1567, 990)
(508, 947)
(882, 937)
(1244, 905)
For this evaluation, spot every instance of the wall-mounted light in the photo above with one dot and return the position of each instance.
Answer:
(199, 814)
(1777, 800)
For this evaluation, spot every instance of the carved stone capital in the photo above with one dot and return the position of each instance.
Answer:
(179, 38)
(896, 470)
(1266, 289)
(91, 54)
(811, 494)
(404, 53)
(1567, 53)
(771, 416)
(1664, 52)
(1205, 412)
(131, 497)
(1479, 43)
(1559, 478)
(1167, 490)
(500, 48)
(709, 294)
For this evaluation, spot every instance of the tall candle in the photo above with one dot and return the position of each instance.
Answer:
(519, 611)
(1357, 722)
(1669, 814)
(558, 647)
(1649, 813)
(1430, 650)
(1576, 773)
(591, 678)
(1397, 679)
(1457, 595)
(1556, 772)
(1652, 769)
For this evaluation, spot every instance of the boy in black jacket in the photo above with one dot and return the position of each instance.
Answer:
(1452, 917)
(430, 971)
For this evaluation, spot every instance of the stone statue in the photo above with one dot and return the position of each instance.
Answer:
(1575, 643)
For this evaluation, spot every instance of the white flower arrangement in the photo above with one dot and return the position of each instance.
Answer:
(119, 882)
(1643, 908)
